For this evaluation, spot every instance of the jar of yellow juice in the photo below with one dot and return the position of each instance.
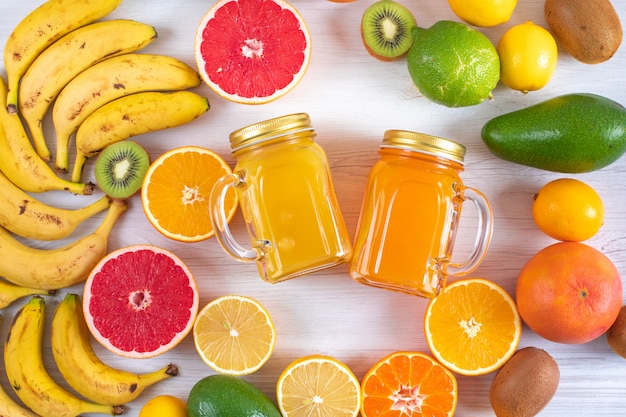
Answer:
(410, 214)
(287, 198)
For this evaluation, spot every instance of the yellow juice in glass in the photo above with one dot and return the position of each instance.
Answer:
(288, 203)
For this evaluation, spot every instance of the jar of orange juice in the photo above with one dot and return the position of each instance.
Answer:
(410, 213)
(287, 198)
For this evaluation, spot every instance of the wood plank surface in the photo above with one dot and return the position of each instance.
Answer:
(352, 99)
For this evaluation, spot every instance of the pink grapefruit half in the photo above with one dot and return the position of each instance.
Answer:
(252, 51)
(140, 301)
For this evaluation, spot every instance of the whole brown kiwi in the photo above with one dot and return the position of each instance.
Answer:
(524, 385)
(589, 30)
(616, 335)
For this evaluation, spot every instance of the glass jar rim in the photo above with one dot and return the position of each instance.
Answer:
(269, 129)
(423, 143)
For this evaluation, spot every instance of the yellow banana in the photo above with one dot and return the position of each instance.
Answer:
(28, 376)
(52, 269)
(42, 27)
(81, 367)
(10, 293)
(68, 57)
(28, 217)
(133, 115)
(10, 408)
(110, 79)
(20, 162)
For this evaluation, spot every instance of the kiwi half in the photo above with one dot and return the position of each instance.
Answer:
(386, 29)
(121, 168)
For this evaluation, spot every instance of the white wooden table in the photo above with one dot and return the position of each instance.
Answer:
(352, 99)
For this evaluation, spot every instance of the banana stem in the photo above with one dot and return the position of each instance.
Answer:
(12, 95)
(39, 140)
(79, 164)
(62, 158)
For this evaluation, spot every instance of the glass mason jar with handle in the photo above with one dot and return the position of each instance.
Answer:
(410, 213)
(287, 198)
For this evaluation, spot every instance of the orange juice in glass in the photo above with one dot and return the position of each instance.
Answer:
(287, 199)
(410, 213)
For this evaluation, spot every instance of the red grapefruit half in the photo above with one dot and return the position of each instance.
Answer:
(252, 51)
(140, 301)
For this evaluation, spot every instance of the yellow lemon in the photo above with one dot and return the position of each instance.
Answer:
(483, 13)
(234, 335)
(318, 385)
(528, 57)
(568, 209)
(164, 406)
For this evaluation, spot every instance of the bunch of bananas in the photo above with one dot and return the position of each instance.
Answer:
(104, 389)
(88, 75)
(82, 66)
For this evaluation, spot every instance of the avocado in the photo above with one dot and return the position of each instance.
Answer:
(222, 395)
(572, 133)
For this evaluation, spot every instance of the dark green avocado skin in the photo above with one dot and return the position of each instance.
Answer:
(228, 396)
(572, 133)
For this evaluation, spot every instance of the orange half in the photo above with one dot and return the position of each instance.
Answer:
(176, 190)
(472, 327)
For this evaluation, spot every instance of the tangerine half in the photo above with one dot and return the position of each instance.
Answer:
(411, 384)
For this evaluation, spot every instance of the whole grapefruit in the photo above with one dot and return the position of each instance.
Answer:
(569, 292)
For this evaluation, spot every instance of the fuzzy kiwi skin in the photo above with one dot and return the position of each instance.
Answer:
(589, 30)
(616, 335)
(524, 385)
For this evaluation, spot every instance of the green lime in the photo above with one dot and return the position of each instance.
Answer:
(226, 395)
(453, 64)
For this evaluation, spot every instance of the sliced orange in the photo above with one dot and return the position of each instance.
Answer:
(176, 189)
(318, 385)
(408, 384)
(472, 327)
(234, 335)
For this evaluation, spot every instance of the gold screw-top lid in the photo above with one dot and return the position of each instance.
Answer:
(421, 142)
(269, 129)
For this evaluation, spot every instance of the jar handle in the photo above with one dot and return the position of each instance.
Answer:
(483, 237)
(217, 215)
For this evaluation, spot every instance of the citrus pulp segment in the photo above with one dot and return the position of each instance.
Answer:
(140, 301)
(176, 190)
(472, 327)
(234, 335)
(252, 51)
(411, 384)
(318, 385)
